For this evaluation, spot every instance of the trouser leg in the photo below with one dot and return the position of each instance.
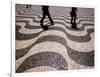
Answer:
(44, 15)
(74, 19)
(71, 19)
(52, 22)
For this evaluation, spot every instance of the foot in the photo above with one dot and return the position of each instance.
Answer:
(30, 5)
(74, 27)
(41, 24)
(52, 23)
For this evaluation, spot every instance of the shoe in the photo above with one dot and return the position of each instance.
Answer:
(52, 23)
(74, 27)
(41, 25)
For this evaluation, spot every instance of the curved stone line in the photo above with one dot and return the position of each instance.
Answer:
(88, 62)
(17, 28)
(68, 17)
(34, 20)
(82, 28)
(53, 35)
(76, 30)
(53, 38)
(25, 43)
(22, 16)
(22, 52)
(24, 30)
(58, 22)
(20, 36)
(40, 15)
(29, 13)
(44, 59)
(41, 69)
(79, 21)
(29, 36)
(57, 14)
(45, 46)
(85, 38)
(28, 26)
(90, 58)
(88, 24)
(86, 58)
(67, 20)
(56, 30)
(65, 24)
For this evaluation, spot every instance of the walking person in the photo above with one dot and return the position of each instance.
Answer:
(73, 14)
(28, 5)
(45, 10)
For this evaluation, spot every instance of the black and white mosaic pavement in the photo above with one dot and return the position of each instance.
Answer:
(60, 47)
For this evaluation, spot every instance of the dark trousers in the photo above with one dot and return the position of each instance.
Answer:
(44, 15)
(73, 19)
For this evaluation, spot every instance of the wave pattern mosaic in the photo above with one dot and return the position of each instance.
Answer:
(53, 47)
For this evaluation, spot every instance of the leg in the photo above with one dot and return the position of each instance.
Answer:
(75, 19)
(44, 15)
(52, 22)
(74, 23)
(41, 22)
(27, 6)
(71, 20)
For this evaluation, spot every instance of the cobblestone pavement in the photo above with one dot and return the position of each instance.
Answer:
(58, 48)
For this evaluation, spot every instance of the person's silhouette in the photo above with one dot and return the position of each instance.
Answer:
(73, 17)
(45, 10)
(27, 6)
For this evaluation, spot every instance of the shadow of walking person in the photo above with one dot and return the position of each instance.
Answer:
(73, 15)
(45, 10)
